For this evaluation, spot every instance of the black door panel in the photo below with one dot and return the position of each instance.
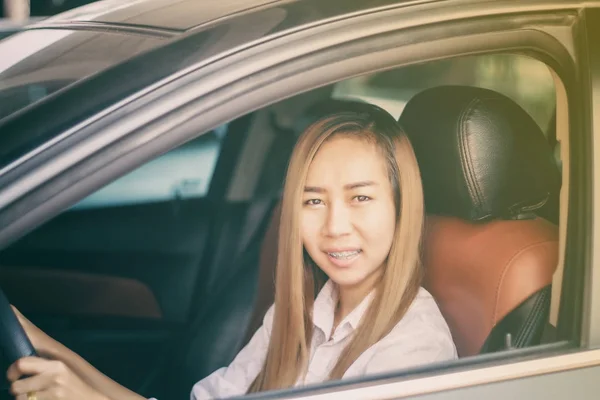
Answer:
(160, 246)
(115, 284)
(73, 293)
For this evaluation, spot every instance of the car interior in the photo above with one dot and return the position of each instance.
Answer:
(161, 277)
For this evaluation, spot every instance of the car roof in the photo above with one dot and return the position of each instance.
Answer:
(71, 46)
(181, 15)
(142, 48)
(112, 31)
(168, 14)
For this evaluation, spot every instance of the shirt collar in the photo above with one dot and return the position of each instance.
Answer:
(324, 308)
(324, 311)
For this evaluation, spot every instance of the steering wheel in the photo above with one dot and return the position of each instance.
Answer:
(14, 342)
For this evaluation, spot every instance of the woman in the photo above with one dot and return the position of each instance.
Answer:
(348, 299)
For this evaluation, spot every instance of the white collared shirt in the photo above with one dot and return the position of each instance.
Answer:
(421, 337)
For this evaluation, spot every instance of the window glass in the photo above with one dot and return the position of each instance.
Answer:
(14, 98)
(37, 62)
(183, 173)
(525, 80)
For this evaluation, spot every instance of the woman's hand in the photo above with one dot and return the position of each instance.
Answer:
(48, 380)
(66, 377)
(43, 344)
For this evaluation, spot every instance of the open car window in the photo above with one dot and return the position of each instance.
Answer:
(159, 196)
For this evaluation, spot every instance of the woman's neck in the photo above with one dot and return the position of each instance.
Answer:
(350, 296)
(349, 299)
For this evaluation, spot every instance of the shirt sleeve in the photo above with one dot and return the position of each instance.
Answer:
(396, 356)
(235, 379)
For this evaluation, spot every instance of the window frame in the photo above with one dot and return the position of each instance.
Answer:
(587, 148)
(215, 94)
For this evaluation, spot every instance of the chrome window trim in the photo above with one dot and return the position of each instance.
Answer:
(462, 379)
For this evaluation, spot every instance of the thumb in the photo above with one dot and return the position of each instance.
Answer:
(22, 319)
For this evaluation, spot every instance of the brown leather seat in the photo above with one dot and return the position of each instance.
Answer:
(481, 274)
(489, 260)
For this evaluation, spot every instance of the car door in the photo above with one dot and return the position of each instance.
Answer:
(403, 35)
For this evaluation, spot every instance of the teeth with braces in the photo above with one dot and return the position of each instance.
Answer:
(342, 255)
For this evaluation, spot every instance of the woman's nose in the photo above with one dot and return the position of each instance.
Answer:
(338, 220)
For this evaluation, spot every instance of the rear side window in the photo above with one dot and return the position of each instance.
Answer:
(183, 173)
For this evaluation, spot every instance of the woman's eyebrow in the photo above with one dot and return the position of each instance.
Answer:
(357, 185)
(313, 189)
(349, 186)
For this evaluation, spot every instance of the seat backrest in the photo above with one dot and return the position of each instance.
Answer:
(481, 273)
(488, 258)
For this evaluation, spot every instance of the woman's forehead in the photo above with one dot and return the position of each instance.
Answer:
(346, 160)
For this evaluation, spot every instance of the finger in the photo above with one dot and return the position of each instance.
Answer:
(27, 366)
(35, 384)
(44, 395)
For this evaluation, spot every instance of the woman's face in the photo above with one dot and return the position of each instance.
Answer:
(348, 213)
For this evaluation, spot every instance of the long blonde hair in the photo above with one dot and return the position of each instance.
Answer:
(297, 277)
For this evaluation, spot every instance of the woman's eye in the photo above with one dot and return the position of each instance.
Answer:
(313, 202)
(362, 199)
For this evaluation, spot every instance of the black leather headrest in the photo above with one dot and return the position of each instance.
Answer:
(481, 155)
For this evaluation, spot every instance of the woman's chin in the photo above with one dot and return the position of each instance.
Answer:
(347, 278)
(353, 278)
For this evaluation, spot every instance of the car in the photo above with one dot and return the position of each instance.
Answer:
(143, 147)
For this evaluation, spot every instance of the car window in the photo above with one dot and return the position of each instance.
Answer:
(183, 173)
(37, 62)
(525, 80)
(14, 98)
